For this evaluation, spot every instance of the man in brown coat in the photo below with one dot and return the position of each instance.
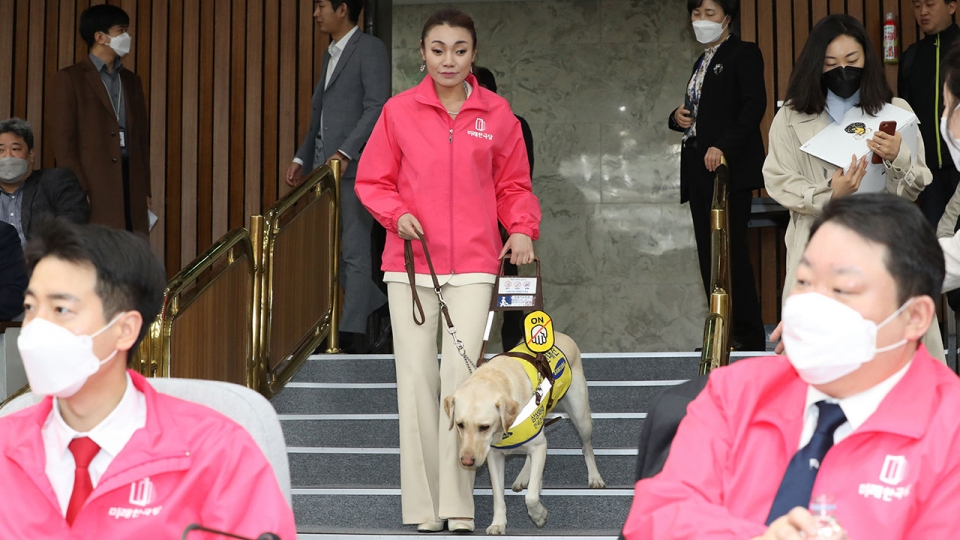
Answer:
(100, 125)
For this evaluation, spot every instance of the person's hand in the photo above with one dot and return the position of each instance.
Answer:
(886, 146)
(682, 117)
(337, 155)
(408, 227)
(845, 184)
(775, 338)
(799, 523)
(520, 247)
(294, 174)
(712, 159)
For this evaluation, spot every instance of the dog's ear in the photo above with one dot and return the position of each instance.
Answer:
(508, 412)
(448, 406)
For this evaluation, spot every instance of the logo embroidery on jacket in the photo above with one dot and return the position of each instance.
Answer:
(481, 126)
(892, 472)
(142, 494)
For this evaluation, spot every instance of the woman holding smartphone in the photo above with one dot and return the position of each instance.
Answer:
(724, 102)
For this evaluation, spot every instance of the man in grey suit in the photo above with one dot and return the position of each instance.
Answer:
(353, 86)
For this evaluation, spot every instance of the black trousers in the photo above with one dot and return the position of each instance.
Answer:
(747, 326)
(934, 198)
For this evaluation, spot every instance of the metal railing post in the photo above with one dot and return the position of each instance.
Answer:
(716, 331)
(333, 341)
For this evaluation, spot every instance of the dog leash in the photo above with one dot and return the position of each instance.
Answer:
(410, 265)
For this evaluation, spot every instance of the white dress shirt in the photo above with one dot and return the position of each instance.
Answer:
(112, 434)
(857, 408)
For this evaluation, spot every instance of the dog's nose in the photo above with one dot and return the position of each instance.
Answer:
(467, 461)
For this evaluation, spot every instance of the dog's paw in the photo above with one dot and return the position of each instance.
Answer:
(497, 528)
(520, 484)
(538, 514)
(597, 482)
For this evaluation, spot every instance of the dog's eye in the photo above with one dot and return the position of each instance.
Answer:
(459, 425)
(484, 428)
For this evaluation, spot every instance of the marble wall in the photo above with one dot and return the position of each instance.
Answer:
(597, 80)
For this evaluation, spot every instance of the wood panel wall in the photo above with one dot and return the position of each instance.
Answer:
(228, 84)
(780, 28)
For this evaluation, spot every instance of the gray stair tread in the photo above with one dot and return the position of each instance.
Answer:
(567, 513)
(561, 471)
(380, 368)
(607, 433)
(329, 533)
(629, 399)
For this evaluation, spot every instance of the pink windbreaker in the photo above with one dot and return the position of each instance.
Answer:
(189, 464)
(457, 177)
(897, 477)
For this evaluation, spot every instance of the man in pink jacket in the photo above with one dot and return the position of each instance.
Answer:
(104, 455)
(857, 416)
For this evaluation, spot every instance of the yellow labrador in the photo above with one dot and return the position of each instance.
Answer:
(485, 407)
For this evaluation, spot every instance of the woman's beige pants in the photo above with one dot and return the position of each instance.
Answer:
(433, 485)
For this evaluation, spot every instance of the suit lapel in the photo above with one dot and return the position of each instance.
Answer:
(716, 65)
(322, 83)
(345, 55)
(93, 78)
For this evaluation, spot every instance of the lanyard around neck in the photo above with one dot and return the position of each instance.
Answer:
(116, 106)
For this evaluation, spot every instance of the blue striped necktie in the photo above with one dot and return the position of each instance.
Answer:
(797, 484)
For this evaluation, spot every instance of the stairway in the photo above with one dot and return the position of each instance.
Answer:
(339, 417)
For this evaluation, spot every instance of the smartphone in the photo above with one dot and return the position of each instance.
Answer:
(688, 105)
(889, 127)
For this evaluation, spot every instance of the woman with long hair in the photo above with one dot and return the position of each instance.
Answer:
(837, 70)
(446, 160)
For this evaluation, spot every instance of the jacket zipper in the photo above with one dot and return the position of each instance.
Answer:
(452, 269)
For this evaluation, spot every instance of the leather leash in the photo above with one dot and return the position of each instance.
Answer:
(410, 265)
(542, 365)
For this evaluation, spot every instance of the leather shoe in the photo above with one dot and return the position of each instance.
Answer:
(460, 525)
(430, 526)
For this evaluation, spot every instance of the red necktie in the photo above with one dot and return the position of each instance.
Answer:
(84, 450)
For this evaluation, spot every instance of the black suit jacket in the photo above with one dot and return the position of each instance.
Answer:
(53, 192)
(733, 100)
(13, 273)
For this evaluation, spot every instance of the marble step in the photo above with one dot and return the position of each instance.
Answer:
(597, 513)
(374, 432)
(381, 398)
(380, 467)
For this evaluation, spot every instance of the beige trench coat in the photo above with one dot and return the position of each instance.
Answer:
(799, 182)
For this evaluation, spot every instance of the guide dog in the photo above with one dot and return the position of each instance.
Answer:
(487, 404)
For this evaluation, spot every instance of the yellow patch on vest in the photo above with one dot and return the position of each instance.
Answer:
(525, 429)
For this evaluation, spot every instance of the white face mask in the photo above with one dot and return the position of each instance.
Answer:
(952, 144)
(826, 340)
(708, 31)
(57, 361)
(12, 168)
(121, 43)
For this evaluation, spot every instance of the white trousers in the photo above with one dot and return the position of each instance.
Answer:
(433, 485)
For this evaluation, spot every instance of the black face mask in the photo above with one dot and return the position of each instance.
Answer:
(843, 81)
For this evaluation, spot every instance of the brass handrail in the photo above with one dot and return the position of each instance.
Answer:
(716, 327)
(265, 228)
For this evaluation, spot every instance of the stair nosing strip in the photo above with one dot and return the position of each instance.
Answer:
(586, 356)
(555, 492)
(395, 416)
(389, 385)
(396, 451)
(436, 536)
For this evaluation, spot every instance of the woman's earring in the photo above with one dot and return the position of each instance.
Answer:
(422, 67)
(471, 69)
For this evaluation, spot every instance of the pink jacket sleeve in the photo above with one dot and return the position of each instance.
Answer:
(517, 207)
(246, 499)
(377, 175)
(684, 501)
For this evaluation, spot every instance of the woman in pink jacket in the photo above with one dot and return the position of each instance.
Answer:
(446, 159)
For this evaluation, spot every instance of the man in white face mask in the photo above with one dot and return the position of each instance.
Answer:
(27, 193)
(857, 411)
(104, 455)
(99, 124)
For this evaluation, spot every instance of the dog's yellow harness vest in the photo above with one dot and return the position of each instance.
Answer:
(529, 422)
